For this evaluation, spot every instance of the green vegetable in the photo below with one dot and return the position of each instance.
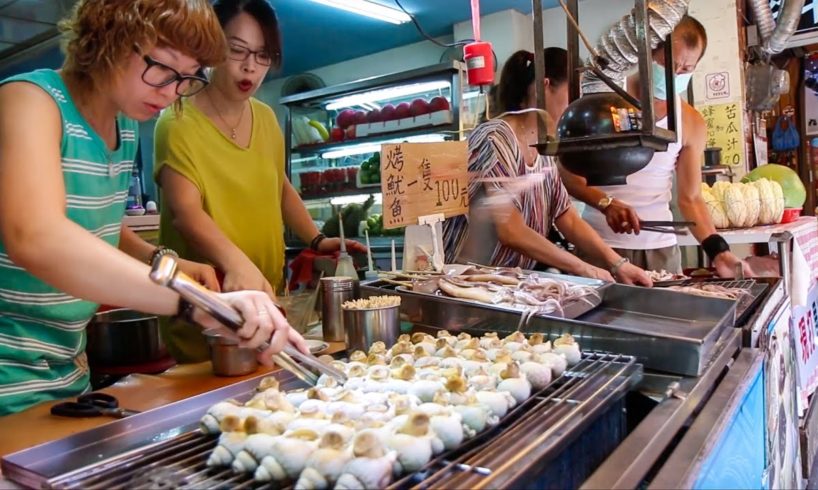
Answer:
(352, 214)
(794, 192)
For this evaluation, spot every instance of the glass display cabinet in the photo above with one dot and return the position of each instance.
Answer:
(334, 136)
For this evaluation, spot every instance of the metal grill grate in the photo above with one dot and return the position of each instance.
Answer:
(538, 427)
(737, 284)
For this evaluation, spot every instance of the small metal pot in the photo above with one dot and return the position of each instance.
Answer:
(367, 326)
(124, 338)
(227, 357)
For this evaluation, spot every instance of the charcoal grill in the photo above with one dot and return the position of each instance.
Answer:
(549, 429)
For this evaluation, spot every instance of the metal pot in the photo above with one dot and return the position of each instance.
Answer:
(227, 357)
(124, 338)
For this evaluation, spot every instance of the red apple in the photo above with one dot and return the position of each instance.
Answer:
(403, 111)
(360, 117)
(373, 116)
(337, 134)
(388, 113)
(439, 104)
(350, 133)
(419, 107)
(346, 118)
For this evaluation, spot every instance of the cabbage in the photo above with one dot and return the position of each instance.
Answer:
(752, 203)
(714, 208)
(766, 195)
(778, 192)
(734, 204)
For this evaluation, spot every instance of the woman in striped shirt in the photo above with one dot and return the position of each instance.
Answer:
(67, 144)
(516, 195)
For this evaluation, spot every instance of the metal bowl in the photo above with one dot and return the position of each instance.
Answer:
(124, 337)
(227, 357)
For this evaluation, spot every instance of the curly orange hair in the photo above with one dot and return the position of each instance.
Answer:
(101, 34)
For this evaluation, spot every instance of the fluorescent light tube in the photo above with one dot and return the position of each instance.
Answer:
(373, 147)
(387, 94)
(369, 9)
(358, 199)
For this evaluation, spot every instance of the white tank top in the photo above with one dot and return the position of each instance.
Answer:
(649, 191)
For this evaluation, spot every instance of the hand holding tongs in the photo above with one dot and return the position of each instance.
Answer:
(166, 273)
(666, 226)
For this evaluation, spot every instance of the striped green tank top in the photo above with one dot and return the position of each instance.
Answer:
(42, 329)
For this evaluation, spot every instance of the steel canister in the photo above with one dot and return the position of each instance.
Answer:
(335, 291)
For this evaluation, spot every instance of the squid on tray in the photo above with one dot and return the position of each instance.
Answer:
(400, 407)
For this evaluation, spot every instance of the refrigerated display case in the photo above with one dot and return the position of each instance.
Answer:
(334, 134)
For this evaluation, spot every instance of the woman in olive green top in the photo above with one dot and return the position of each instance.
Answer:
(67, 144)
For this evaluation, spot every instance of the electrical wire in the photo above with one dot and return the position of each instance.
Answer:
(427, 36)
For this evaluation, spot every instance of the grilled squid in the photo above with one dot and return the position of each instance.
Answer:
(567, 346)
(475, 415)
(414, 442)
(512, 382)
(255, 448)
(372, 465)
(325, 465)
(211, 421)
(449, 429)
(288, 455)
(231, 442)
(539, 375)
(499, 402)
(556, 362)
(425, 389)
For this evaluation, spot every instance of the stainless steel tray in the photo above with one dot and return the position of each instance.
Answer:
(665, 330)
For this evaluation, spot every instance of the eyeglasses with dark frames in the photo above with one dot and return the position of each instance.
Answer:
(240, 53)
(158, 74)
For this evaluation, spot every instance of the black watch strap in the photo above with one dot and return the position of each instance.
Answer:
(184, 311)
(714, 245)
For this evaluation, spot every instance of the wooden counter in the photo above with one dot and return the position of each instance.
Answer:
(136, 392)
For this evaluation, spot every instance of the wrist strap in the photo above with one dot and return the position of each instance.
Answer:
(618, 265)
(317, 241)
(161, 251)
(714, 245)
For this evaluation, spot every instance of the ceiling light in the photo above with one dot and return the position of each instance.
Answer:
(373, 147)
(387, 94)
(369, 9)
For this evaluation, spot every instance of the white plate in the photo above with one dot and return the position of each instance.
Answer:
(317, 346)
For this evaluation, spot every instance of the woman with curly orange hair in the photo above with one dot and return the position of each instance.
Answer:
(67, 143)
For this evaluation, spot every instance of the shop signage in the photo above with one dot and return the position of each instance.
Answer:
(724, 130)
(718, 85)
(423, 179)
(805, 323)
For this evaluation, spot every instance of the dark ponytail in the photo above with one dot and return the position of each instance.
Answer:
(518, 74)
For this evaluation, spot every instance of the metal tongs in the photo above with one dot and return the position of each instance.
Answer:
(166, 273)
(666, 226)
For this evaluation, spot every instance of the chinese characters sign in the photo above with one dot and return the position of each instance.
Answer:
(724, 130)
(422, 179)
(805, 323)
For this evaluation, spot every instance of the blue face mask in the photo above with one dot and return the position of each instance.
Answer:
(680, 82)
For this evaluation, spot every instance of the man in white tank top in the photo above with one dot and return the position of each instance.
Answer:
(615, 211)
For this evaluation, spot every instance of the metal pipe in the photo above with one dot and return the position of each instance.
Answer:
(574, 62)
(539, 67)
(785, 27)
(620, 46)
(763, 15)
(642, 45)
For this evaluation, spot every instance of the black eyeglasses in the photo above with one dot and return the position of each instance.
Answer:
(158, 74)
(240, 53)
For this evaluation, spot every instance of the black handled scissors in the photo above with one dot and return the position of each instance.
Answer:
(92, 405)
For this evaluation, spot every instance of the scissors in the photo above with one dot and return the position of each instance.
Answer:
(92, 405)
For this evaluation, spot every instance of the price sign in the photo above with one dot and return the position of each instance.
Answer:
(804, 325)
(725, 130)
(422, 179)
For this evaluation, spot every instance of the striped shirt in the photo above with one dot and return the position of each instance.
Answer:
(42, 329)
(494, 153)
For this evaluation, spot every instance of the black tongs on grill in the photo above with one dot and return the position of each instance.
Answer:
(165, 273)
(666, 226)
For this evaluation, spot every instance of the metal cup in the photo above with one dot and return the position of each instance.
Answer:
(335, 291)
(227, 357)
(364, 327)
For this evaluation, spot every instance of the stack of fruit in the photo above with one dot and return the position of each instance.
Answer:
(374, 224)
(370, 173)
(348, 119)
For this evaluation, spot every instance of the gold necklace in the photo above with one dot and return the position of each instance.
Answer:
(219, 113)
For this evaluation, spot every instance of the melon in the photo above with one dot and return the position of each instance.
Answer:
(794, 192)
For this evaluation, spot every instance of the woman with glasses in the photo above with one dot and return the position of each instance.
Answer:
(220, 167)
(67, 143)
